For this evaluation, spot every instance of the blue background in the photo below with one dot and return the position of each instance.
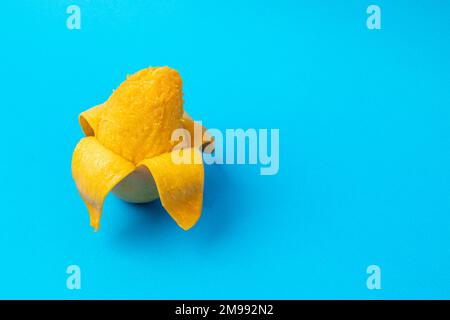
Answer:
(364, 119)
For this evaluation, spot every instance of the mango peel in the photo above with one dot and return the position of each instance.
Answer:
(128, 149)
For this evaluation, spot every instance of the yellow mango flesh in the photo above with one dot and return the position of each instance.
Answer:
(142, 114)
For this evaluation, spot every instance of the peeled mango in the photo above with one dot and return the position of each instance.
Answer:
(128, 149)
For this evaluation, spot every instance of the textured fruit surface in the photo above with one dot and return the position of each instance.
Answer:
(142, 114)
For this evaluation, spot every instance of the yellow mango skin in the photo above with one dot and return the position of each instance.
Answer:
(180, 186)
(190, 125)
(142, 114)
(96, 170)
(90, 119)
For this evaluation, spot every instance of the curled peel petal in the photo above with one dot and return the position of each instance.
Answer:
(90, 119)
(96, 170)
(180, 186)
(193, 126)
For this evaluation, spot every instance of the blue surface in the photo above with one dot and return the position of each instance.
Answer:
(364, 119)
